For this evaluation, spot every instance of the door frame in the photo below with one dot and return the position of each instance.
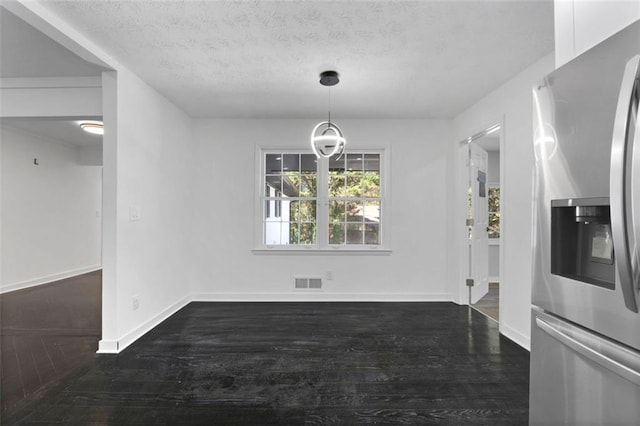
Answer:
(461, 210)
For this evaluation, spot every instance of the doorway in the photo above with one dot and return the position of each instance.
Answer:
(481, 153)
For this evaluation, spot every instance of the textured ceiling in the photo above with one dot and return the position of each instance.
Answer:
(397, 59)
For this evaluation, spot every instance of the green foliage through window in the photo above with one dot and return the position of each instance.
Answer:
(494, 211)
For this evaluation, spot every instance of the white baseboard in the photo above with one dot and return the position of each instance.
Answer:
(516, 336)
(48, 279)
(108, 347)
(150, 324)
(320, 296)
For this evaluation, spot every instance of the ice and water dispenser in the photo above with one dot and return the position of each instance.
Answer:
(581, 242)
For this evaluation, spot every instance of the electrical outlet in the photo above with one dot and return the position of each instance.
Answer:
(135, 303)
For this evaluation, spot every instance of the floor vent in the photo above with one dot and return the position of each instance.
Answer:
(312, 283)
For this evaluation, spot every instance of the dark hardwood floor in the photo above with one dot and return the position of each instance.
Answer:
(300, 363)
(490, 303)
(46, 332)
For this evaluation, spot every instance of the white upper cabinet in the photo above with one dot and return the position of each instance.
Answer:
(581, 24)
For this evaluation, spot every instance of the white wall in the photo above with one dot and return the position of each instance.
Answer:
(51, 226)
(148, 164)
(223, 229)
(511, 104)
(581, 24)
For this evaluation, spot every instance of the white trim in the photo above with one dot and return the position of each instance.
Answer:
(48, 279)
(321, 297)
(515, 336)
(339, 250)
(107, 347)
(116, 346)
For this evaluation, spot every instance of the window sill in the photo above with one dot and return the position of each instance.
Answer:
(340, 251)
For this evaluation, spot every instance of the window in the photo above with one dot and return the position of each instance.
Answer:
(494, 211)
(290, 199)
(354, 199)
(321, 203)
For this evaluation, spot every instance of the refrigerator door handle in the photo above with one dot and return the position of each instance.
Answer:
(620, 182)
(612, 357)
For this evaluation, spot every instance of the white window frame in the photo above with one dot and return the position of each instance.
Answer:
(322, 245)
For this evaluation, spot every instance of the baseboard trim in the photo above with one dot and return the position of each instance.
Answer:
(150, 324)
(48, 279)
(319, 296)
(107, 347)
(516, 336)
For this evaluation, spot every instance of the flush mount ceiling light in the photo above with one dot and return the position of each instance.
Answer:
(95, 127)
(327, 139)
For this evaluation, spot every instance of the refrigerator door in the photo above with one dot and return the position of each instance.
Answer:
(574, 118)
(578, 377)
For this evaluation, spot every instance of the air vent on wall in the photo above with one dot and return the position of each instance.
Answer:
(312, 283)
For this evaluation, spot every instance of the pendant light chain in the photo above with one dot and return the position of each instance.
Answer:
(329, 109)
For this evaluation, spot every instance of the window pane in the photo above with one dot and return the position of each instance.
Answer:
(307, 233)
(294, 210)
(336, 211)
(354, 233)
(308, 185)
(268, 209)
(355, 211)
(371, 184)
(291, 184)
(494, 225)
(336, 184)
(354, 162)
(294, 233)
(308, 163)
(372, 211)
(337, 165)
(273, 163)
(372, 234)
(494, 199)
(274, 181)
(291, 162)
(336, 233)
(273, 232)
(372, 162)
(354, 184)
(307, 211)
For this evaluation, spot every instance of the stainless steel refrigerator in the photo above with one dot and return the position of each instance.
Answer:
(585, 339)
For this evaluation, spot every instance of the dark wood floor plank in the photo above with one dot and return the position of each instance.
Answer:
(46, 332)
(297, 363)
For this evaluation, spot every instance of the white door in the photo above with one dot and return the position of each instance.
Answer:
(478, 222)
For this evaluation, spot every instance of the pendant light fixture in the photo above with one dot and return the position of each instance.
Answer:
(327, 139)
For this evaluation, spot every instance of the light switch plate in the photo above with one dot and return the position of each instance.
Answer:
(134, 213)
